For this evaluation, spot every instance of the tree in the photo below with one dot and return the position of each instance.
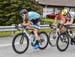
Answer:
(9, 10)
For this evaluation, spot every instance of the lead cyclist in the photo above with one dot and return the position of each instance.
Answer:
(28, 19)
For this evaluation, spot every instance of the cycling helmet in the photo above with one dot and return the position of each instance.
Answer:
(64, 11)
(23, 11)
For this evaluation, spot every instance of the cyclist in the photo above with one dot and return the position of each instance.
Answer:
(58, 17)
(70, 17)
(28, 19)
(67, 18)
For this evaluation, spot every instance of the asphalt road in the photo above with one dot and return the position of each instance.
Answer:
(7, 51)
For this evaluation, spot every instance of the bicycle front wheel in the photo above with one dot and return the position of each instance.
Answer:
(20, 43)
(62, 42)
(52, 38)
(43, 40)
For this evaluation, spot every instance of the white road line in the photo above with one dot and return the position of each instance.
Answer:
(5, 45)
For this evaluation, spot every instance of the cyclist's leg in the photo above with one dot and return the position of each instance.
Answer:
(36, 23)
(36, 34)
(36, 38)
(71, 33)
(35, 31)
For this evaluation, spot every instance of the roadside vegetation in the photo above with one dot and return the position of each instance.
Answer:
(9, 13)
(43, 21)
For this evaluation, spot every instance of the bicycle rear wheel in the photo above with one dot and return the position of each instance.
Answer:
(62, 42)
(20, 43)
(43, 40)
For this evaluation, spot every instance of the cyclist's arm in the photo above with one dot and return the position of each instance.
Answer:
(69, 21)
(26, 24)
(55, 19)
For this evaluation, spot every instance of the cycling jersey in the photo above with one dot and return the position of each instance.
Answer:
(71, 15)
(34, 18)
(33, 15)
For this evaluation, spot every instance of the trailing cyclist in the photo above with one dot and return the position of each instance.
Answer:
(67, 18)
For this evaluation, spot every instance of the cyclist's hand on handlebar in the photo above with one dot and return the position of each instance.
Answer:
(60, 25)
(16, 26)
(51, 25)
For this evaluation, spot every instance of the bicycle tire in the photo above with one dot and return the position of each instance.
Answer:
(58, 39)
(13, 43)
(44, 34)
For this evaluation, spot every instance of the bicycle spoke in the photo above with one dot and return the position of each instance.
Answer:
(62, 42)
(20, 43)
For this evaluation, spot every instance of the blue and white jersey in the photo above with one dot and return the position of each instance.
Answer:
(33, 15)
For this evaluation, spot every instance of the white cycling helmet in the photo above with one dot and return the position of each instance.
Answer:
(23, 11)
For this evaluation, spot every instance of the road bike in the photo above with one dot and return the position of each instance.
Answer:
(64, 39)
(20, 42)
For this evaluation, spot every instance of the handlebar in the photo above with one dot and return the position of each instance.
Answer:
(32, 27)
(57, 25)
(52, 26)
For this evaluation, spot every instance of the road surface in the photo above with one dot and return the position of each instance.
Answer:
(7, 51)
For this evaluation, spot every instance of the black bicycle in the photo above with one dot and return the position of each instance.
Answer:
(20, 42)
(64, 39)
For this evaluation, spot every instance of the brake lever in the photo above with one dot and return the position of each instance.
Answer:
(16, 26)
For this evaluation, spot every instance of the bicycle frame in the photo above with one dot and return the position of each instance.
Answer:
(25, 31)
(55, 28)
(68, 33)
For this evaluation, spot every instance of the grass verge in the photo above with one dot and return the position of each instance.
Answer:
(43, 21)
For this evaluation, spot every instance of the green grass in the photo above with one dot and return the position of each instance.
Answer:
(5, 34)
(43, 21)
(47, 21)
(45, 30)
